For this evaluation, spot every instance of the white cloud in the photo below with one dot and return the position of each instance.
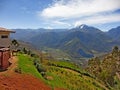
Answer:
(102, 19)
(48, 28)
(78, 8)
(61, 23)
(67, 12)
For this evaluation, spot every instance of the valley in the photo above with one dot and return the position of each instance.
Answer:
(75, 59)
(51, 74)
(59, 44)
(81, 42)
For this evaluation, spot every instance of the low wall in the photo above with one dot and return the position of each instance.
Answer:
(4, 57)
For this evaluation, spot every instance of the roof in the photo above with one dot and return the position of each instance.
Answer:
(6, 30)
(4, 49)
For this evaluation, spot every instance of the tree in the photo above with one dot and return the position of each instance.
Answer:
(15, 43)
(29, 52)
(24, 50)
(115, 50)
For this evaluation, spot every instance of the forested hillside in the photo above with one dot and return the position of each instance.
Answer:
(107, 69)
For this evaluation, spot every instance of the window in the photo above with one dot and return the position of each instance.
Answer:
(4, 36)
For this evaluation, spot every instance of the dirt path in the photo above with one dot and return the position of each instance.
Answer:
(21, 82)
(12, 67)
(9, 80)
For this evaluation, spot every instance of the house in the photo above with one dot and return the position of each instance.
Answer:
(5, 48)
(5, 37)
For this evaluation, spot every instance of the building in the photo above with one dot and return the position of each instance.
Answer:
(5, 48)
(5, 37)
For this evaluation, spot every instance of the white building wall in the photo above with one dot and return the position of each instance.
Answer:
(4, 42)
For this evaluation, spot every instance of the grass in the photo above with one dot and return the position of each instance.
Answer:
(71, 80)
(67, 75)
(56, 82)
(62, 77)
(66, 64)
(69, 65)
(26, 64)
(117, 84)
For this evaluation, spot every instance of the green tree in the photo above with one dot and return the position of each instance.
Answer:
(115, 50)
(15, 43)
(24, 51)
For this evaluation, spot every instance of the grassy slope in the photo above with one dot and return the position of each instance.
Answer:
(26, 64)
(66, 64)
(67, 78)
(117, 81)
(61, 76)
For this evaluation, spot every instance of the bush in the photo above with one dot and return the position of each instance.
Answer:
(18, 70)
(24, 51)
(34, 55)
(43, 74)
(40, 68)
(36, 62)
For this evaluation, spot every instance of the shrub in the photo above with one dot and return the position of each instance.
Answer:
(40, 68)
(43, 74)
(18, 70)
(24, 51)
(34, 55)
(36, 62)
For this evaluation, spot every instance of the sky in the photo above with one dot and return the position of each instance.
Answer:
(49, 14)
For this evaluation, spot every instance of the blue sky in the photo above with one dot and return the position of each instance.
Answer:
(103, 14)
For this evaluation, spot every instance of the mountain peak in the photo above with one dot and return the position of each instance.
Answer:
(86, 28)
(82, 26)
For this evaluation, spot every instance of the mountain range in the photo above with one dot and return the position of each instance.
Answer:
(115, 33)
(79, 42)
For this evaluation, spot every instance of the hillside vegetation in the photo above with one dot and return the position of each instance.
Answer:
(61, 74)
(25, 63)
(107, 69)
(101, 74)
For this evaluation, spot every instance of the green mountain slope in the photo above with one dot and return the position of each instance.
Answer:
(107, 69)
(61, 74)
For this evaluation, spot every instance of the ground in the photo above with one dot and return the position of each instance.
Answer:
(10, 70)
(9, 80)
(21, 82)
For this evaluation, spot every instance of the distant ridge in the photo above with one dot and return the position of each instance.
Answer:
(114, 33)
(81, 41)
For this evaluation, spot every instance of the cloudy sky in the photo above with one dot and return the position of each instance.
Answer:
(103, 14)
